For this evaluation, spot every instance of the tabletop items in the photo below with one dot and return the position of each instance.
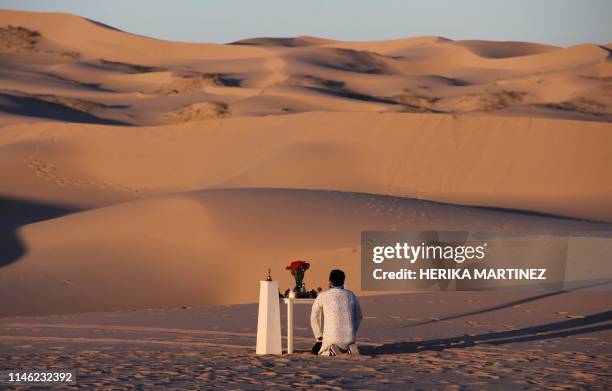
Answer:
(301, 294)
(269, 277)
(297, 269)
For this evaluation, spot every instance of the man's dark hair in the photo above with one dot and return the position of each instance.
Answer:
(336, 277)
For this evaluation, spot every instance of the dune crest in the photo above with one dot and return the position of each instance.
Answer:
(284, 42)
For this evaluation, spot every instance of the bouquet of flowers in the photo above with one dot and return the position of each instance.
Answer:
(297, 269)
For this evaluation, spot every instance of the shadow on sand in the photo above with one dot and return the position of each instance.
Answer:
(510, 304)
(16, 213)
(39, 108)
(596, 322)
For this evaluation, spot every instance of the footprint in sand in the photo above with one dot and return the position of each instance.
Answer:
(48, 172)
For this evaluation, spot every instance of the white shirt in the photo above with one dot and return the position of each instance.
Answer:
(342, 313)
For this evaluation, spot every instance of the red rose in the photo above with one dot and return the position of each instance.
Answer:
(296, 266)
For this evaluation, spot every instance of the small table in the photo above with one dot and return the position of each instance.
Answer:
(290, 302)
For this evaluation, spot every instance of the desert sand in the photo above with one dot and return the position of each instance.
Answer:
(139, 172)
(452, 340)
(146, 186)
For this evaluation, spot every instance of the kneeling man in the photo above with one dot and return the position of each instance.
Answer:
(342, 315)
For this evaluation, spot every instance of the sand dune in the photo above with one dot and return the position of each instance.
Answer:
(52, 53)
(140, 165)
(515, 163)
(284, 42)
(508, 49)
(187, 249)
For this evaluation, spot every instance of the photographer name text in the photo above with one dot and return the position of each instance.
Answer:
(461, 274)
